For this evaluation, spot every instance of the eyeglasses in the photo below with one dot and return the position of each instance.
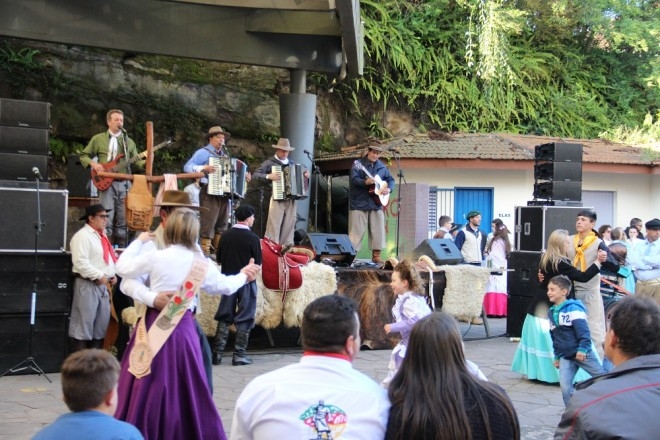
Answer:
(103, 216)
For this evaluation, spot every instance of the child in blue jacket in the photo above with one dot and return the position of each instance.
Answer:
(571, 340)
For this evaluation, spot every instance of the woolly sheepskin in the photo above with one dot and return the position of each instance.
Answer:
(465, 291)
(318, 280)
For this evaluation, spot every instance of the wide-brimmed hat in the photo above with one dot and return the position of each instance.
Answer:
(218, 130)
(375, 147)
(93, 210)
(652, 224)
(176, 199)
(283, 144)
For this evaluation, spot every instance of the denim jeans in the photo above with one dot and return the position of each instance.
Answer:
(568, 368)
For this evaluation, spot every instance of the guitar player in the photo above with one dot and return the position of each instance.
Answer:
(104, 149)
(371, 184)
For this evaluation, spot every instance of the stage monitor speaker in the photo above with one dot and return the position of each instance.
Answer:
(19, 140)
(17, 113)
(19, 216)
(19, 166)
(564, 171)
(515, 314)
(559, 152)
(78, 180)
(335, 247)
(49, 341)
(17, 283)
(440, 250)
(556, 190)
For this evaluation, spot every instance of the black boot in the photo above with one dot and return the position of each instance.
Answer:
(221, 334)
(240, 354)
(77, 345)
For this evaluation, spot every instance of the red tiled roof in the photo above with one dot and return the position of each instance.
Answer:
(498, 146)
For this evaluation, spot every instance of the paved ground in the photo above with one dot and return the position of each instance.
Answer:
(29, 402)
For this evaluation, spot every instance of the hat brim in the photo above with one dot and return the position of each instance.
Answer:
(279, 147)
(180, 205)
(225, 133)
(84, 217)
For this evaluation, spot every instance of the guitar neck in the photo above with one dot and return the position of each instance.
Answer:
(142, 155)
(360, 166)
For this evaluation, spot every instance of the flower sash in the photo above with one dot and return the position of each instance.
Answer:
(148, 344)
(579, 261)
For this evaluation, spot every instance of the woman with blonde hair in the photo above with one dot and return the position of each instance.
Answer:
(163, 389)
(435, 396)
(534, 356)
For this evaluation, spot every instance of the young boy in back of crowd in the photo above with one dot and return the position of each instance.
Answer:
(89, 385)
(571, 340)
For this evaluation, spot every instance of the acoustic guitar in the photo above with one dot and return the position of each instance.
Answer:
(375, 189)
(103, 183)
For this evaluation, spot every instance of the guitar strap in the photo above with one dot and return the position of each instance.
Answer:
(148, 343)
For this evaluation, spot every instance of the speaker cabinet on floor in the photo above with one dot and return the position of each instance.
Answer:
(516, 314)
(522, 279)
(335, 247)
(17, 283)
(49, 341)
(17, 113)
(440, 250)
(19, 216)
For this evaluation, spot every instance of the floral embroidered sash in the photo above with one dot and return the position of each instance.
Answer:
(148, 344)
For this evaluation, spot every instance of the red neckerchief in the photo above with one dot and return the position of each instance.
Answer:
(330, 355)
(108, 251)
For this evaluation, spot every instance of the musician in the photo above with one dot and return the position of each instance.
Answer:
(281, 213)
(364, 212)
(213, 219)
(105, 149)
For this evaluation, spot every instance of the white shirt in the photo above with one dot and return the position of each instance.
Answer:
(167, 269)
(284, 404)
(87, 255)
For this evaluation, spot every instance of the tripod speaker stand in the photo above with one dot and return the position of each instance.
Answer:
(29, 362)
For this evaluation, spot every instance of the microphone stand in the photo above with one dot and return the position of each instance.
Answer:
(398, 198)
(315, 171)
(127, 157)
(232, 172)
(29, 362)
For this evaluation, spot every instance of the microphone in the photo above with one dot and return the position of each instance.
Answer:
(308, 154)
(36, 172)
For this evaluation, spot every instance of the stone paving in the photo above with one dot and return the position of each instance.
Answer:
(29, 402)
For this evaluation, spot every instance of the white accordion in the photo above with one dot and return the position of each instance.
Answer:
(230, 177)
(291, 184)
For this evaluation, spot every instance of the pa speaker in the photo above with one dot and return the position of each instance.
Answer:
(522, 278)
(559, 152)
(19, 166)
(557, 190)
(78, 180)
(335, 247)
(19, 140)
(30, 114)
(17, 283)
(49, 341)
(565, 171)
(440, 250)
(19, 216)
(515, 314)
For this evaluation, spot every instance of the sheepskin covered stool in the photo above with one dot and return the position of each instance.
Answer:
(465, 290)
(318, 280)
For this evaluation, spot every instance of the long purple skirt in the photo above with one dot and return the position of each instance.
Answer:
(174, 401)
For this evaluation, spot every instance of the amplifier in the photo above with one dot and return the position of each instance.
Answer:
(17, 283)
(20, 140)
(17, 113)
(559, 152)
(19, 166)
(19, 216)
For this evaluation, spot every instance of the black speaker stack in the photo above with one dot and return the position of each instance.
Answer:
(24, 133)
(557, 174)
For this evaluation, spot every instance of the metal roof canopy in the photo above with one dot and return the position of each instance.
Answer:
(311, 35)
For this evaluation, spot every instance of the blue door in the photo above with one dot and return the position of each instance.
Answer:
(470, 199)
